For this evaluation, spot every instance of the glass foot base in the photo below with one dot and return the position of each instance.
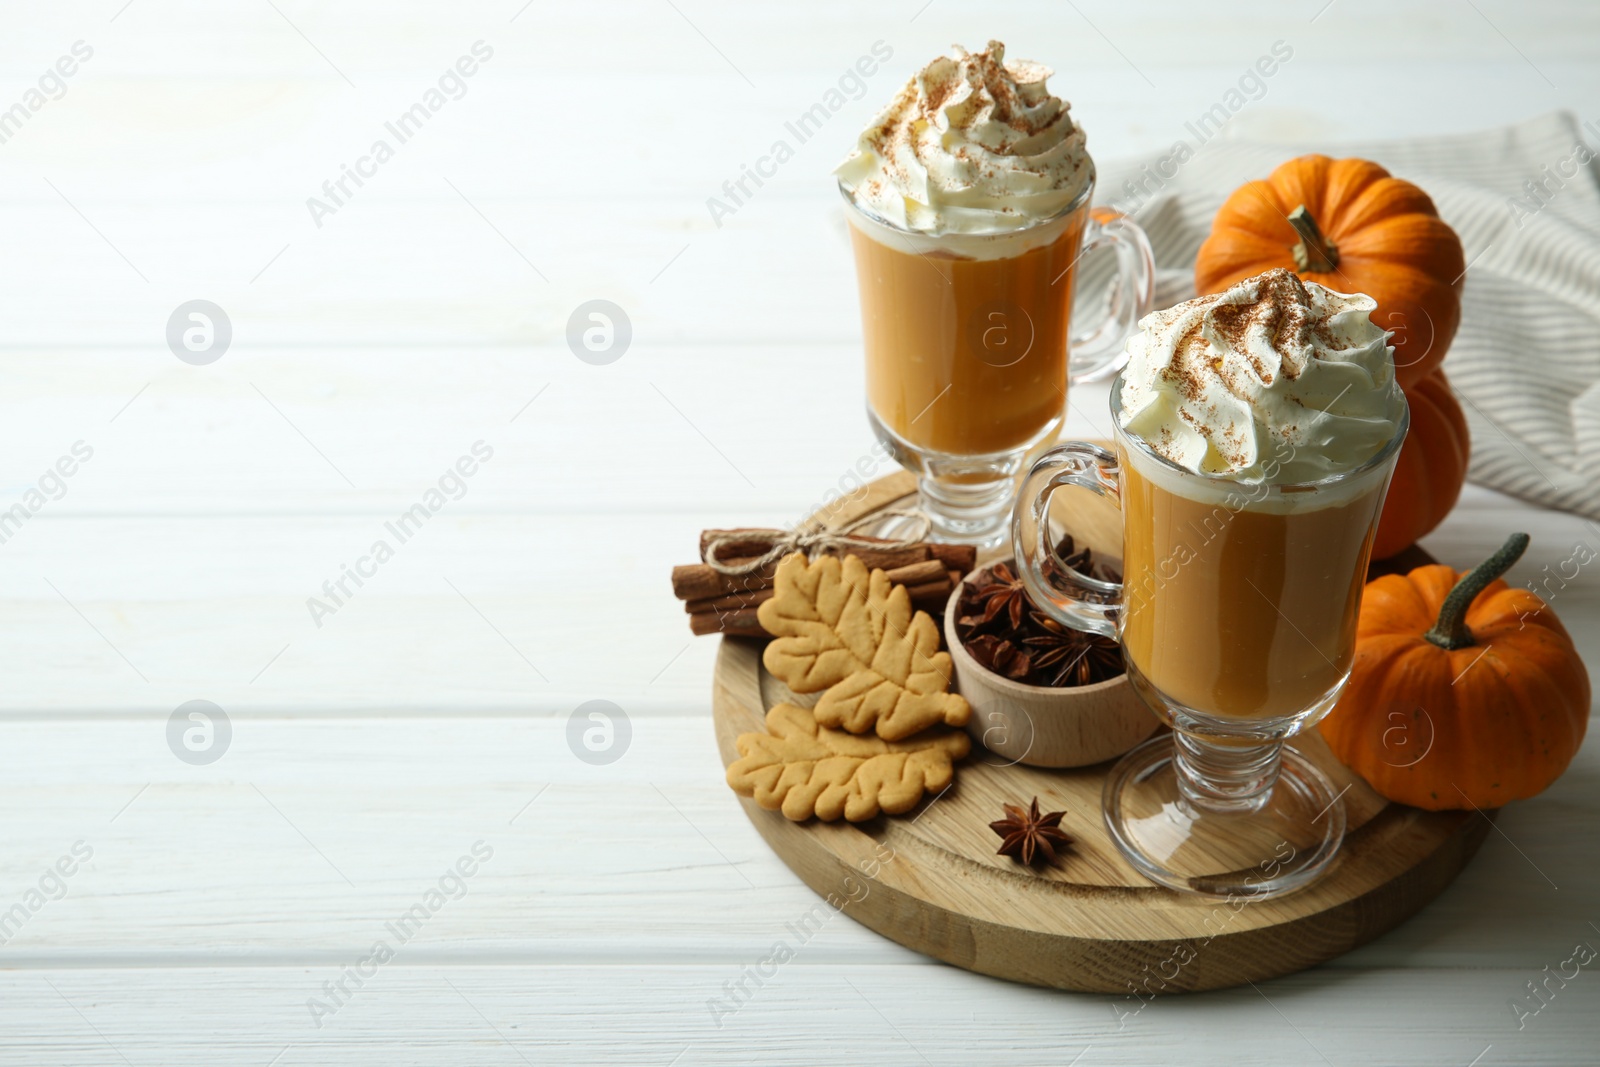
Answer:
(1277, 845)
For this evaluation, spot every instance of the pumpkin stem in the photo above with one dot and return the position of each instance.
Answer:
(1314, 252)
(1451, 632)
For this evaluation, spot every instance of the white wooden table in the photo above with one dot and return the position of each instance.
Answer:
(430, 711)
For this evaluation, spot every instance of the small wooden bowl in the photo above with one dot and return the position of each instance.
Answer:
(1046, 726)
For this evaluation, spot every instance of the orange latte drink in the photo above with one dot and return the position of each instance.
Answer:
(968, 202)
(1278, 590)
(967, 353)
(1252, 424)
(1256, 431)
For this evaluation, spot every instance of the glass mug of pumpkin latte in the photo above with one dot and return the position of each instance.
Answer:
(1256, 431)
(968, 202)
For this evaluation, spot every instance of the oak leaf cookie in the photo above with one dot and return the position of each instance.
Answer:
(839, 628)
(804, 768)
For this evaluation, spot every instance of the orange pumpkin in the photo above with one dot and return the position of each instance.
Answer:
(1465, 692)
(1430, 470)
(1348, 225)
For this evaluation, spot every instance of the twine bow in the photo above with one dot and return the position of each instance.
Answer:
(813, 542)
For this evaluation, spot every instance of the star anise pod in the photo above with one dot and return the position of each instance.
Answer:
(997, 593)
(1027, 835)
(1082, 560)
(999, 625)
(1060, 655)
(1001, 656)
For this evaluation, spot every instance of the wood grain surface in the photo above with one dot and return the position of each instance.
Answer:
(931, 879)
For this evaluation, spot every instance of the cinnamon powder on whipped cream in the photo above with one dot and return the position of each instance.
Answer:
(1272, 368)
(971, 144)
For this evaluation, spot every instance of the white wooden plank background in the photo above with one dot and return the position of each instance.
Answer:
(426, 715)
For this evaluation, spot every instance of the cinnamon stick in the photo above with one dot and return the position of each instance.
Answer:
(698, 581)
(918, 573)
(930, 593)
(910, 575)
(729, 602)
(739, 546)
(959, 558)
(741, 623)
(929, 596)
(891, 557)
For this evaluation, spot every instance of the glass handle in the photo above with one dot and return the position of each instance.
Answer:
(1098, 353)
(1065, 594)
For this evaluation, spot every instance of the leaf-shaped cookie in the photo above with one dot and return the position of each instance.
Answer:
(854, 634)
(803, 768)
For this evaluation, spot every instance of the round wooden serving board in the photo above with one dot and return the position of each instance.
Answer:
(931, 880)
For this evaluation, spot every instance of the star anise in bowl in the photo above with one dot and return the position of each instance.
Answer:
(1082, 560)
(1001, 656)
(993, 593)
(1060, 656)
(1005, 633)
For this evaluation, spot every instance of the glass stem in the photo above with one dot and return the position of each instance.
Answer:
(1226, 777)
(967, 511)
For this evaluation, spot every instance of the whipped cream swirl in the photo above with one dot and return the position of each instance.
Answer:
(972, 144)
(1273, 380)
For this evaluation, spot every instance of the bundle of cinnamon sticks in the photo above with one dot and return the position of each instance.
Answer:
(726, 603)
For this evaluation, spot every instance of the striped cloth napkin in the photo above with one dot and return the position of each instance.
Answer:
(1526, 360)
